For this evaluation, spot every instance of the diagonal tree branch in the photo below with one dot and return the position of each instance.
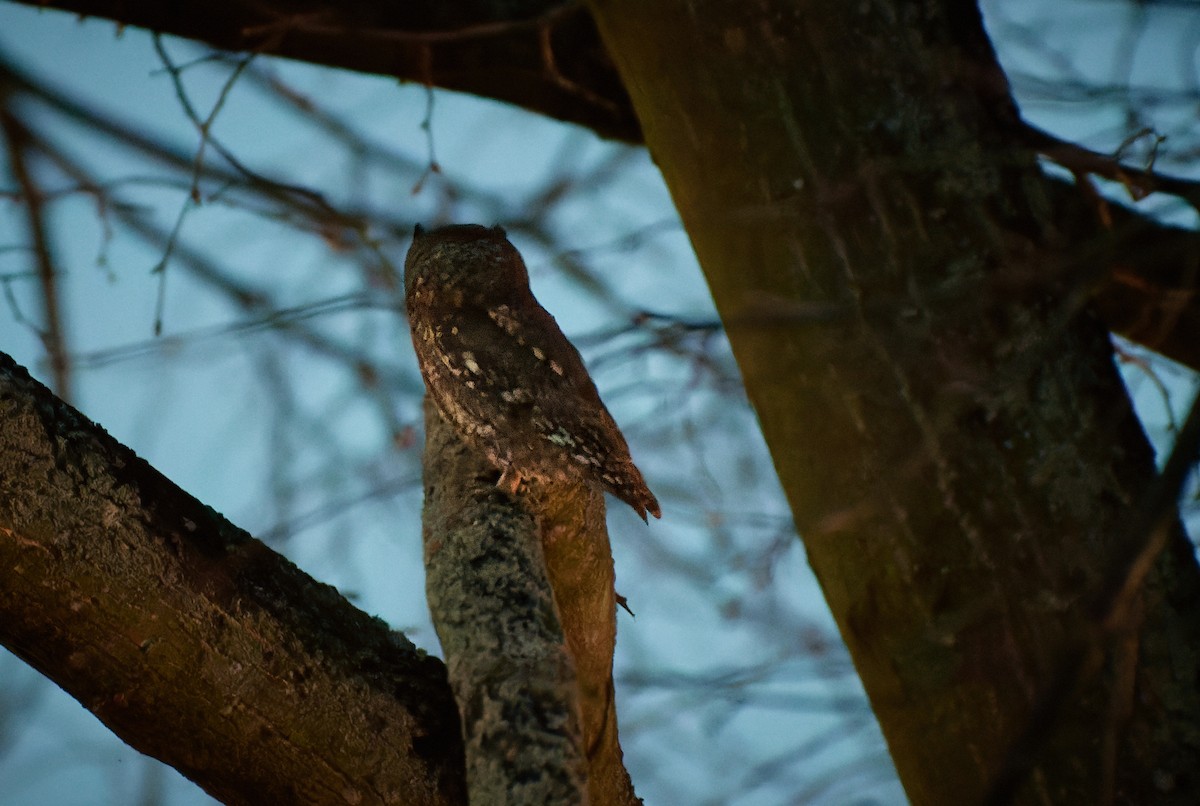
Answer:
(545, 56)
(1146, 274)
(196, 643)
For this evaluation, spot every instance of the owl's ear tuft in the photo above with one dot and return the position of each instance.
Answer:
(418, 231)
(499, 230)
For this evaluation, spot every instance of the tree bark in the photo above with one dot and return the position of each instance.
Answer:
(1146, 273)
(521, 592)
(494, 612)
(200, 646)
(940, 403)
(197, 644)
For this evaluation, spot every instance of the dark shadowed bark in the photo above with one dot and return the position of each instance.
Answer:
(939, 399)
(539, 54)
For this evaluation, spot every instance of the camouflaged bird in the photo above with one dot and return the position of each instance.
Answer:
(501, 371)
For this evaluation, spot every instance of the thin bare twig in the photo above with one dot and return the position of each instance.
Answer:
(427, 127)
(1140, 182)
(241, 294)
(204, 127)
(53, 335)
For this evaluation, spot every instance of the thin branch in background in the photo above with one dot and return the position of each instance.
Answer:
(314, 24)
(273, 320)
(427, 126)
(53, 335)
(311, 113)
(546, 45)
(204, 127)
(384, 490)
(14, 307)
(308, 204)
(239, 293)
(311, 211)
(281, 431)
(1125, 356)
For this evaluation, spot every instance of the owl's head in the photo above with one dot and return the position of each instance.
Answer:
(468, 258)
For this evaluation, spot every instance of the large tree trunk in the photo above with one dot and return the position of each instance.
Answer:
(942, 407)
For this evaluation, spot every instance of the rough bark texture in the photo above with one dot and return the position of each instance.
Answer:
(957, 447)
(197, 644)
(494, 612)
(531, 665)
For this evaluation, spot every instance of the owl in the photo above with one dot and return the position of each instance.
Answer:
(501, 371)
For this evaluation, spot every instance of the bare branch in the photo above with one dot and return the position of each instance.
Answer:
(476, 47)
(1140, 182)
(1146, 274)
(20, 144)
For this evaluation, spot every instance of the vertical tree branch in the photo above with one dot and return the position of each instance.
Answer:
(521, 592)
(495, 614)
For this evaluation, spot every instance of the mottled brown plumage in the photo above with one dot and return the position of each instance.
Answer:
(501, 371)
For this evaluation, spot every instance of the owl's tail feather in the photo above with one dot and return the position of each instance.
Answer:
(633, 491)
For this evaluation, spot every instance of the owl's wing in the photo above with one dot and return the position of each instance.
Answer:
(511, 378)
(524, 356)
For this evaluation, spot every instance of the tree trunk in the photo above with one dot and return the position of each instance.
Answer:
(942, 408)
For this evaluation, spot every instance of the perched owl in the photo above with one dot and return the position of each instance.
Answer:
(501, 371)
